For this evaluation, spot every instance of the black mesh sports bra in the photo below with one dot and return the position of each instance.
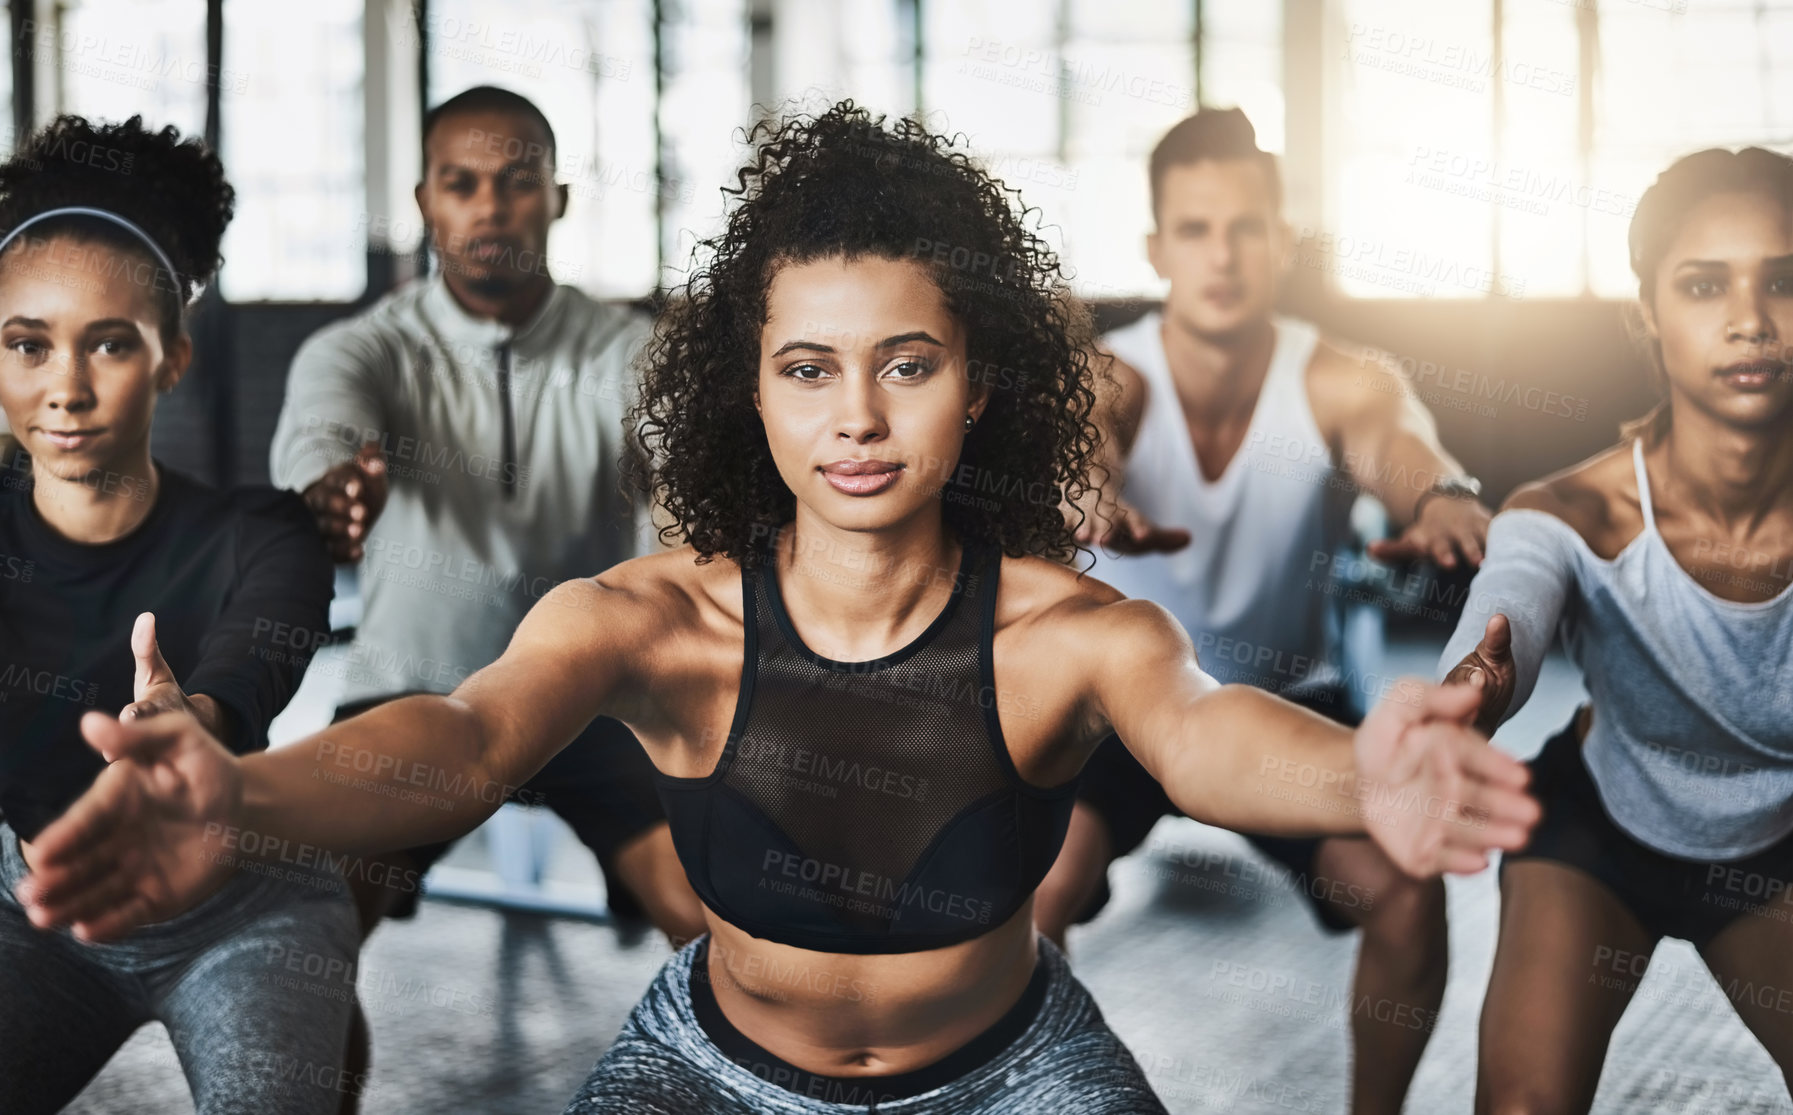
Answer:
(867, 807)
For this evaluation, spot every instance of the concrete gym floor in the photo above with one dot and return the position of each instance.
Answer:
(475, 1010)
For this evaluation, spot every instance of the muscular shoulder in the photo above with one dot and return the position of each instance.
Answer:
(667, 594)
(1596, 498)
(1061, 616)
(1346, 379)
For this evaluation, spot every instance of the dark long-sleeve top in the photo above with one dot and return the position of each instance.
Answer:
(240, 584)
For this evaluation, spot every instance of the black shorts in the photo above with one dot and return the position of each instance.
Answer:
(1131, 801)
(1670, 897)
(601, 784)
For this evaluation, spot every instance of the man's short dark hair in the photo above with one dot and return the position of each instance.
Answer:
(1213, 133)
(485, 98)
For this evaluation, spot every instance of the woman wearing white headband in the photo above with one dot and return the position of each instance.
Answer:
(129, 588)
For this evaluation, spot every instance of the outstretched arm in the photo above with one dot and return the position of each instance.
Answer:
(1515, 604)
(332, 423)
(148, 839)
(1414, 777)
(1388, 442)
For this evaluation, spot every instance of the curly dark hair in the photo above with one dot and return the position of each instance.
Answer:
(847, 184)
(172, 188)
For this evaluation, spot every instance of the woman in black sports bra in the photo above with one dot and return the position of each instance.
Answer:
(867, 681)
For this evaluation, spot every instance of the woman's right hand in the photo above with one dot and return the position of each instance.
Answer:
(1489, 667)
(151, 838)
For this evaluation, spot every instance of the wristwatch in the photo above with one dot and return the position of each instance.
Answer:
(1450, 487)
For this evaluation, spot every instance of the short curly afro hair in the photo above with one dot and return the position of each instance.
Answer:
(851, 185)
(172, 188)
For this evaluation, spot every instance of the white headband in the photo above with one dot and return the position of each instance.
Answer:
(105, 215)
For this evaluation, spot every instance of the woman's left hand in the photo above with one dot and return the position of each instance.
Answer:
(1438, 799)
(154, 688)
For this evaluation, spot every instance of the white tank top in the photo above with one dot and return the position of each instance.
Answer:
(1252, 587)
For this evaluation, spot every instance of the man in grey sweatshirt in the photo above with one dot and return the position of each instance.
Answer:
(460, 439)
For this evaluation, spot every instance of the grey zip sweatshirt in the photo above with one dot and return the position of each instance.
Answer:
(502, 447)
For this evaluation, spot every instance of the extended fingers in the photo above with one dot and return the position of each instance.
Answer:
(141, 739)
(99, 895)
(1455, 703)
(89, 823)
(1403, 548)
(1443, 551)
(1492, 765)
(338, 495)
(129, 913)
(1488, 788)
(1165, 540)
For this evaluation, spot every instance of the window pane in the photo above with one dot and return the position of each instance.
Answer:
(704, 103)
(1412, 104)
(992, 71)
(613, 185)
(1242, 63)
(1538, 193)
(1137, 21)
(570, 56)
(829, 49)
(299, 233)
(1671, 82)
(114, 59)
(1130, 95)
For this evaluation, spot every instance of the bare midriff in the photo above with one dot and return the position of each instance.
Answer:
(842, 1014)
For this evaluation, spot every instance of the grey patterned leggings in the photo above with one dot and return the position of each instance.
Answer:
(1066, 1062)
(255, 985)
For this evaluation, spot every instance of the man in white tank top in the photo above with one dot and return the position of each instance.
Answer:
(1236, 445)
